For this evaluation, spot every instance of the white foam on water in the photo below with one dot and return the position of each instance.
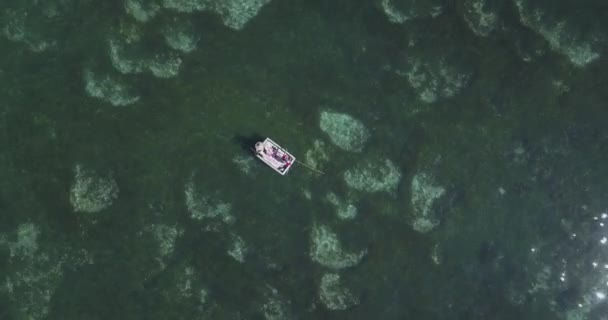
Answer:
(424, 193)
(108, 89)
(376, 176)
(334, 295)
(91, 192)
(327, 250)
(344, 131)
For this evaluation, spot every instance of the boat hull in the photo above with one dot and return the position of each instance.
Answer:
(275, 156)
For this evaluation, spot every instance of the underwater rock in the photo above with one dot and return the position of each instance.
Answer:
(374, 176)
(164, 65)
(435, 79)
(91, 192)
(306, 193)
(434, 74)
(317, 155)
(130, 59)
(238, 248)
(142, 11)
(27, 241)
(481, 16)
(202, 207)
(31, 274)
(244, 163)
(234, 13)
(17, 29)
(166, 237)
(186, 5)
(399, 11)
(188, 288)
(184, 283)
(344, 211)
(424, 193)
(179, 35)
(109, 89)
(436, 256)
(123, 60)
(579, 40)
(276, 306)
(334, 295)
(344, 131)
(327, 251)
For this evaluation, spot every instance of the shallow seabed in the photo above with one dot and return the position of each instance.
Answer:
(464, 146)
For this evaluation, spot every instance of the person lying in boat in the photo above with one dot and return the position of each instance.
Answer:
(284, 167)
(278, 154)
(287, 162)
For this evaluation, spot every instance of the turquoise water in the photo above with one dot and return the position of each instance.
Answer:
(463, 145)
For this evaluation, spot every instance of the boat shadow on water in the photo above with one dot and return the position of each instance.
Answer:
(247, 143)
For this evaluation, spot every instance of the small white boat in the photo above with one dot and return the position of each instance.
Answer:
(274, 156)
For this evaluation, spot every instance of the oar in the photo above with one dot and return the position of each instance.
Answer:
(309, 167)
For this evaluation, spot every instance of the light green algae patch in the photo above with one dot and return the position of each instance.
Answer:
(202, 207)
(424, 193)
(327, 250)
(344, 210)
(380, 176)
(91, 192)
(344, 131)
(334, 295)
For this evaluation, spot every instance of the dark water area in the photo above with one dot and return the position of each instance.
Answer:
(463, 146)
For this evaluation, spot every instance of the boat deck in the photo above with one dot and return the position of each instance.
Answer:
(271, 153)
